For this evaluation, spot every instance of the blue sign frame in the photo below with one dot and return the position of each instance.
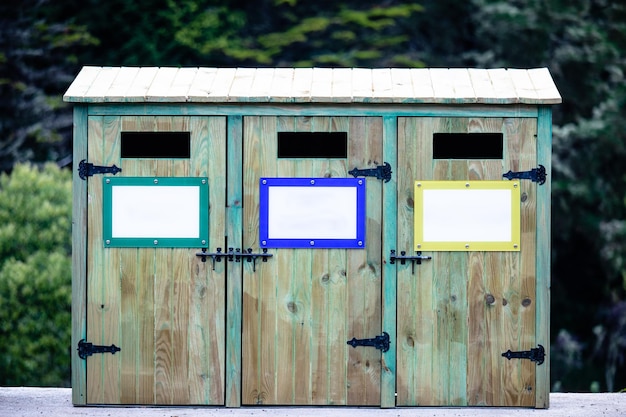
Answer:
(356, 242)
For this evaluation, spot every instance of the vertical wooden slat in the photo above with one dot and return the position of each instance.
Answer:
(79, 257)
(389, 277)
(111, 289)
(234, 227)
(95, 389)
(542, 308)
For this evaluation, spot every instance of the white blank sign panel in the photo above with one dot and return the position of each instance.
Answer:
(467, 215)
(312, 212)
(155, 212)
(144, 211)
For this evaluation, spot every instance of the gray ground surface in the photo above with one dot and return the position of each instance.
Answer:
(57, 402)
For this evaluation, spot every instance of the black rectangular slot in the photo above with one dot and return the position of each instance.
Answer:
(468, 145)
(312, 144)
(156, 145)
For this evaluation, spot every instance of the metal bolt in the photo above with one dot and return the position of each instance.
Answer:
(264, 181)
(312, 243)
(419, 246)
(515, 246)
(203, 181)
(467, 246)
(156, 181)
(467, 184)
(203, 242)
(514, 185)
(360, 243)
(263, 242)
(419, 184)
(108, 181)
(108, 242)
(360, 182)
(156, 242)
(312, 182)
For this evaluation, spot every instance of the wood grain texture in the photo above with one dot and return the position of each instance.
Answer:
(79, 258)
(321, 85)
(463, 309)
(162, 306)
(302, 306)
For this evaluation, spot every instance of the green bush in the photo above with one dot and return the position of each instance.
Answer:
(35, 276)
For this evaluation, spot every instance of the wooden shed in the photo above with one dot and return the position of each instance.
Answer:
(311, 236)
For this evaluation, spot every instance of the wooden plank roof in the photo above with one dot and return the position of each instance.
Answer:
(313, 85)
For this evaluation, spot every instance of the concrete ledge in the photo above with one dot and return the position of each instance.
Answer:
(56, 402)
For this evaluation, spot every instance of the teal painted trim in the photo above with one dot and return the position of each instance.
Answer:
(79, 258)
(187, 109)
(389, 277)
(544, 247)
(202, 239)
(234, 286)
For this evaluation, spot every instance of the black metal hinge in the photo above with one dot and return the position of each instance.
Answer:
(87, 349)
(537, 354)
(382, 172)
(379, 342)
(87, 169)
(535, 175)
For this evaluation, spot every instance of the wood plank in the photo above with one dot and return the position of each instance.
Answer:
(502, 87)
(281, 86)
(241, 85)
(161, 85)
(122, 82)
(462, 84)
(259, 301)
(389, 277)
(302, 85)
(402, 84)
(341, 85)
(261, 85)
(111, 287)
(382, 86)
(483, 88)
(443, 87)
(79, 257)
(321, 86)
(138, 90)
(95, 267)
(182, 82)
(234, 227)
(201, 86)
(544, 86)
(102, 83)
(542, 256)
(422, 84)
(220, 88)
(82, 83)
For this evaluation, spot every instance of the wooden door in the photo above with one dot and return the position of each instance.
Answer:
(460, 311)
(162, 306)
(303, 305)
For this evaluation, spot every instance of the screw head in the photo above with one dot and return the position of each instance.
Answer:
(108, 242)
(156, 242)
(203, 242)
(108, 181)
(312, 243)
(312, 182)
(156, 181)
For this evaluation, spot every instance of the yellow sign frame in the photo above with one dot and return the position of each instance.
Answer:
(473, 209)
